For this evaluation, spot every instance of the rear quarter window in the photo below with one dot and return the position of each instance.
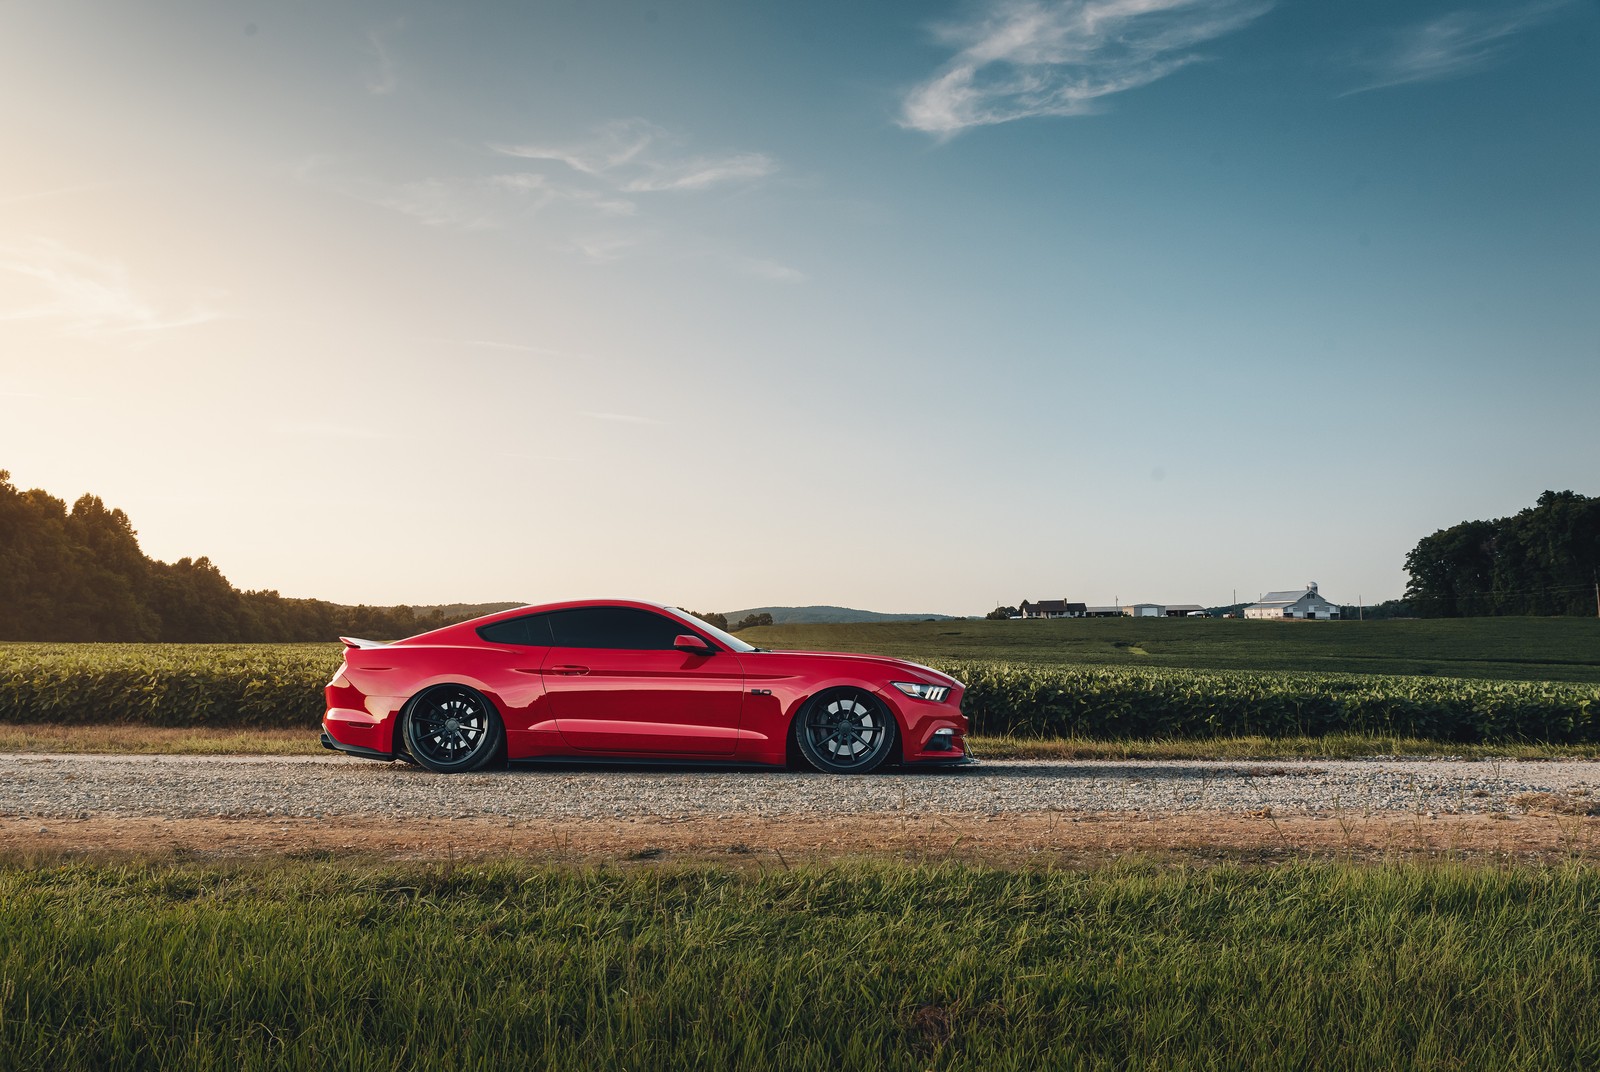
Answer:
(532, 630)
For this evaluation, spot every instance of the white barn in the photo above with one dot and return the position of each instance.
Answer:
(1303, 604)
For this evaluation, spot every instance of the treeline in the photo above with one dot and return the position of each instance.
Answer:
(79, 574)
(721, 620)
(1374, 612)
(1543, 560)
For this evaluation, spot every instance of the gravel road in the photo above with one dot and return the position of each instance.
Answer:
(183, 787)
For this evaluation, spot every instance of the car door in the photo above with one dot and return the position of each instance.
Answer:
(616, 684)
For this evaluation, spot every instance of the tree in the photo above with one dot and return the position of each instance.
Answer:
(1543, 560)
(711, 618)
(753, 619)
(1389, 608)
(1452, 571)
(1000, 614)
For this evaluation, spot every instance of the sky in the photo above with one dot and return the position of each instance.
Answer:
(916, 307)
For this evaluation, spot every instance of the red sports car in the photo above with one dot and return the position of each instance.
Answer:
(615, 679)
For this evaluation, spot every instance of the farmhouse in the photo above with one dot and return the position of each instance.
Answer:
(1050, 608)
(1304, 603)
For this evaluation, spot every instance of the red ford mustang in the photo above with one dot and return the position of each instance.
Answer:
(615, 679)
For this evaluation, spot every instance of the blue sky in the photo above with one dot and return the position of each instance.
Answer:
(917, 307)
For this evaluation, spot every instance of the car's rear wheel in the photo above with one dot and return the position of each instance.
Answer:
(846, 731)
(451, 728)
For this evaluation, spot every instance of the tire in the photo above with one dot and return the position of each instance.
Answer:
(845, 731)
(450, 729)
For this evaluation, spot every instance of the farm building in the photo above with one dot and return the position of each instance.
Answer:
(1145, 610)
(1050, 608)
(1301, 604)
(1162, 610)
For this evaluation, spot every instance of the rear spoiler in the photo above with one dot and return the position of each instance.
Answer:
(356, 642)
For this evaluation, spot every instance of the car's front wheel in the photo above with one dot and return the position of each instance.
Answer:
(846, 731)
(451, 728)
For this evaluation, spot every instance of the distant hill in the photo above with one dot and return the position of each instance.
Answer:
(829, 615)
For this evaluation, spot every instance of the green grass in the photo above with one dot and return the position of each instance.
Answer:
(1516, 649)
(320, 965)
(159, 740)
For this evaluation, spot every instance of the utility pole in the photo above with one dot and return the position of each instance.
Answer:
(1361, 608)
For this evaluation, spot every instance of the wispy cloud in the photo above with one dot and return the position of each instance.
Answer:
(383, 78)
(1450, 46)
(435, 202)
(596, 198)
(462, 203)
(46, 281)
(608, 247)
(539, 190)
(634, 156)
(1024, 58)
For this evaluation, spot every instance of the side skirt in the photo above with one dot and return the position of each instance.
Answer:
(628, 761)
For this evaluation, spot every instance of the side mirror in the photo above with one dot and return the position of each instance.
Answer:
(693, 645)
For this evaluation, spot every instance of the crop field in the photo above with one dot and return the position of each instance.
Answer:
(279, 686)
(257, 686)
(1514, 649)
(1136, 965)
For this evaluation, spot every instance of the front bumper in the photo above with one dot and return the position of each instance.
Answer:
(953, 759)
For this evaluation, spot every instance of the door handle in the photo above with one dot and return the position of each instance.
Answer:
(569, 671)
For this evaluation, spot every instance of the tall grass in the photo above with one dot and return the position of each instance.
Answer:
(328, 966)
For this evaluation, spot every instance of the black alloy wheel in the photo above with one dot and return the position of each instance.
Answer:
(452, 728)
(846, 731)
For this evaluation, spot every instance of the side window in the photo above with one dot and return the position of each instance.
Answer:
(533, 630)
(614, 627)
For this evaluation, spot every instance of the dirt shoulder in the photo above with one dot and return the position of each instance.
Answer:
(1011, 839)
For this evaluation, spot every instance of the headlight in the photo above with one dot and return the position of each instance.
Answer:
(916, 689)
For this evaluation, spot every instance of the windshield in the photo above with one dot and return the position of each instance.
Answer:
(706, 627)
